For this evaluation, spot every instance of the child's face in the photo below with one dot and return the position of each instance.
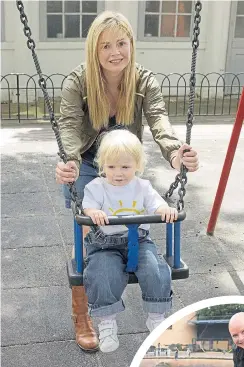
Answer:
(121, 172)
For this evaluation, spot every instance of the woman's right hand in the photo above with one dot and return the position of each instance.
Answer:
(66, 172)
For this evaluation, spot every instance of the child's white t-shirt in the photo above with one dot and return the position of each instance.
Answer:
(135, 198)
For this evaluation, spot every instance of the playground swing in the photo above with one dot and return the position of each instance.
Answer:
(75, 266)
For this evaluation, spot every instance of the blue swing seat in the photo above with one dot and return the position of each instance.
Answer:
(179, 268)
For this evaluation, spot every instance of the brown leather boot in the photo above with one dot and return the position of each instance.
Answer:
(86, 337)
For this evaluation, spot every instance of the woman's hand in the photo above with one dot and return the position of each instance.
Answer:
(97, 216)
(189, 159)
(66, 172)
(167, 213)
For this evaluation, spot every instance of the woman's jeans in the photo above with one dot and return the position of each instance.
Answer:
(104, 276)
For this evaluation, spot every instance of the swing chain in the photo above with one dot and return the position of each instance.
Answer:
(181, 177)
(77, 209)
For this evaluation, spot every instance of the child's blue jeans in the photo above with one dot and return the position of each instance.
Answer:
(105, 278)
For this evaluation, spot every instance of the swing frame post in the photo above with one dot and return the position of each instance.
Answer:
(227, 166)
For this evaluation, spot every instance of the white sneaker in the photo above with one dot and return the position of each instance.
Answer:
(152, 323)
(108, 339)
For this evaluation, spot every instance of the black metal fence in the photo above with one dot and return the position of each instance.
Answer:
(216, 94)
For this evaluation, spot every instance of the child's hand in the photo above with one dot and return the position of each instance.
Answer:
(98, 216)
(167, 213)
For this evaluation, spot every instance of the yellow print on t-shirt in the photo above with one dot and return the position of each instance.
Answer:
(121, 209)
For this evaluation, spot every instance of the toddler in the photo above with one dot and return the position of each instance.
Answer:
(119, 191)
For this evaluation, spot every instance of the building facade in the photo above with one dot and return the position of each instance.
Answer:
(162, 30)
(198, 332)
(180, 332)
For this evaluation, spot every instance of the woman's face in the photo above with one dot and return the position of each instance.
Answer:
(114, 51)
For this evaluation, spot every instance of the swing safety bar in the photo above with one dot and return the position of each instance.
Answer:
(129, 219)
(179, 269)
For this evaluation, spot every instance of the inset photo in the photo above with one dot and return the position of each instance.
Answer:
(208, 337)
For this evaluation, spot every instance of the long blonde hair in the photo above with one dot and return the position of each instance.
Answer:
(97, 99)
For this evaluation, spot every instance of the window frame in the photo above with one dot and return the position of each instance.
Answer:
(141, 26)
(43, 23)
(2, 22)
(237, 16)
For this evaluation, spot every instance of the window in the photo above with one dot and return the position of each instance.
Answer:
(239, 28)
(68, 19)
(166, 20)
(2, 22)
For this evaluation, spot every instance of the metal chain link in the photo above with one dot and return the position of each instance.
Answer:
(42, 83)
(181, 177)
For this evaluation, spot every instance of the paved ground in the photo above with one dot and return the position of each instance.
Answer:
(37, 237)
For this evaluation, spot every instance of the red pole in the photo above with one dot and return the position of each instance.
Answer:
(227, 165)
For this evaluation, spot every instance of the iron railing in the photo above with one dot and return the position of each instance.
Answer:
(216, 94)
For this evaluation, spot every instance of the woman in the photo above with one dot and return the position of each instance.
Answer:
(110, 90)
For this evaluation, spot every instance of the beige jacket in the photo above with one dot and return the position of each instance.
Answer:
(78, 134)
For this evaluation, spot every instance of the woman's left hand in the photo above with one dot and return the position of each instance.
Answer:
(189, 159)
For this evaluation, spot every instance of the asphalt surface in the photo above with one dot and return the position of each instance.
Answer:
(37, 237)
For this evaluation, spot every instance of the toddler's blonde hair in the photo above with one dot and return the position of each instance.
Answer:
(119, 143)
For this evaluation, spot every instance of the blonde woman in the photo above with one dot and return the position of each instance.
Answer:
(110, 89)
